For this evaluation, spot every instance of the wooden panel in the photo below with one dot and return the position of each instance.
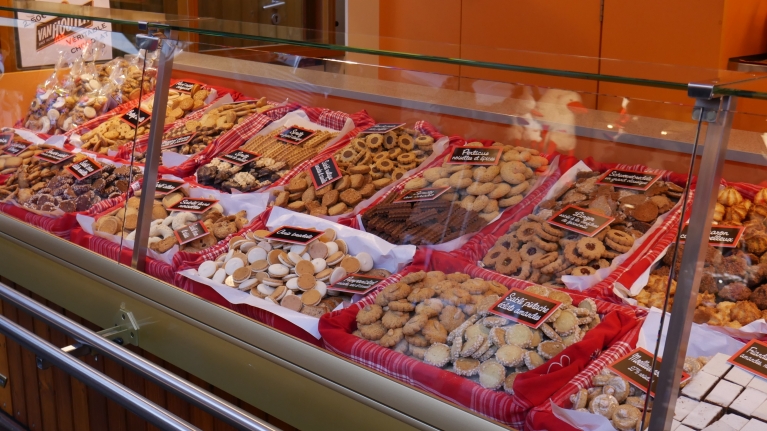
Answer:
(63, 388)
(81, 416)
(174, 404)
(45, 377)
(6, 397)
(15, 372)
(28, 364)
(116, 414)
(136, 384)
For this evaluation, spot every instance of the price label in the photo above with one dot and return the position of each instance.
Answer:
(420, 195)
(294, 235)
(382, 128)
(55, 155)
(84, 168)
(636, 366)
(239, 157)
(136, 117)
(485, 156)
(356, 283)
(178, 141)
(325, 172)
(524, 307)
(164, 187)
(15, 147)
(295, 135)
(5, 138)
(190, 233)
(625, 179)
(720, 236)
(193, 205)
(752, 358)
(183, 86)
(581, 221)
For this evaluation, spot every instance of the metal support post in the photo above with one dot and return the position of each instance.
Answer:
(688, 280)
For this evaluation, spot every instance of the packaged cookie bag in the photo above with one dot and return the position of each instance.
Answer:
(299, 267)
(54, 97)
(451, 328)
(279, 150)
(340, 184)
(588, 225)
(466, 188)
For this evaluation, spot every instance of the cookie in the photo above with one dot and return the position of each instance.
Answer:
(590, 248)
(369, 314)
(394, 319)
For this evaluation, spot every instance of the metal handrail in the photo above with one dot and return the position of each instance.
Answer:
(132, 401)
(216, 406)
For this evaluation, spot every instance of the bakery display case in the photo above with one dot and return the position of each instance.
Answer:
(393, 247)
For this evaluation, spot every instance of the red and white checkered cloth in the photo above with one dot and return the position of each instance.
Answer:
(336, 329)
(541, 418)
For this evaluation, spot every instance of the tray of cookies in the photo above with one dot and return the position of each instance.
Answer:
(585, 229)
(339, 185)
(431, 326)
(280, 148)
(14, 147)
(473, 195)
(275, 269)
(173, 215)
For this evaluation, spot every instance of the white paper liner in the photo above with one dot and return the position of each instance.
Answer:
(581, 420)
(32, 137)
(232, 204)
(583, 282)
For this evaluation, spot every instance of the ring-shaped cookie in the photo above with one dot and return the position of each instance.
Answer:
(526, 231)
(406, 158)
(492, 256)
(385, 165)
(508, 262)
(424, 141)
(590, 248)
(347, 155)
(406, 142)
(359, 144)
(390, 140)
(374, 140)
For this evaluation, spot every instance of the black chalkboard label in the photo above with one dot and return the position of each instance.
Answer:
(294, 235)
(183, 86)
(581, 221)
(382, 128)
(191, 232)
(636, 366)
(84, 168)
(295, 135)
(325, 172)
(752, 358)
(239, 157)
(356, 283)
(136, 117)
(626, 179)
(164, 187)
(193, 205)
(720, 236)
(486, 156)
(524, 307)
(420, 195)
(178, 141)
(16, 147)
(55, 155)
(5, 138)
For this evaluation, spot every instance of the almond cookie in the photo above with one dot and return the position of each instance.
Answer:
(455, 296)
(417, 340)
(591, 248)
(434, 331)
(396, 291)
(373, 331)
(394, 319)
(421, 294)
(415, 324)
(369, 314)
(401, 305)
(438, 355)
(391, 338)
(413, 277)
(430, 307)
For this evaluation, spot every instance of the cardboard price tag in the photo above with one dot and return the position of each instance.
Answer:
(193, 205)
(720, 236)
(177, 141)
(382, 128)
(55, 155)
(581, 221)
(752, 358)
(524, 307)
(325, 172)
(295, 135)
(626, 179)
(136, 117)
(190, 233)
(636, 366)
(356, 283)
(16, 147)
(419, 195)
(164, 187)
(239, 157)
(5, 138)
(84, 168)
(294, 235)
(485, 156)
(183, 86)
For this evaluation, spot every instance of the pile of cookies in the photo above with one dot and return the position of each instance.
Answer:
(269, 146)
(422, 223)
(110, 135)
(249, 177)
(64, 192)
(732, 209)
(293, 276)
(389, 155)
(212, 125)
(165, 221)
(180, 104)
(50, 113)
(337, 198)
(443, 319)
(128, 80)
(27, 172)
(540, 252)
(614, 398)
